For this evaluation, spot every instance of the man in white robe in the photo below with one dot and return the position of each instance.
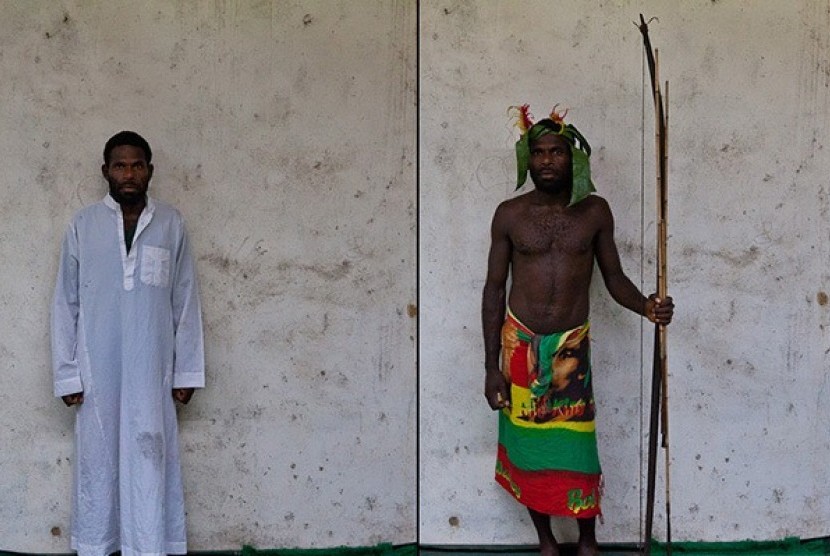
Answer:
(126, 342)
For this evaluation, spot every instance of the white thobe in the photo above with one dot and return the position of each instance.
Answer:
(126, 331)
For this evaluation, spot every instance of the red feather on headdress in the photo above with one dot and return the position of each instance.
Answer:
(558, 117)
(523, 117)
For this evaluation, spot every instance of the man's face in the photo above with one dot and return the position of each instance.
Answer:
(550, 163)
(566, 362)
(128, 174)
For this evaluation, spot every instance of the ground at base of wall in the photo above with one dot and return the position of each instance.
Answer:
(564, 550)
(784, 547)
(379, 550)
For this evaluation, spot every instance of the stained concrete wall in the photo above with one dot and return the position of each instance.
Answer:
(302, 230)
(285, 133)
(748, 253)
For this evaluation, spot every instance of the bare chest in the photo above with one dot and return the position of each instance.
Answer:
(543, 234)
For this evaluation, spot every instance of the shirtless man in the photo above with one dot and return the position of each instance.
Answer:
(547, 241)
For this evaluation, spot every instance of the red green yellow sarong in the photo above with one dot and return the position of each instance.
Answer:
(547, 456)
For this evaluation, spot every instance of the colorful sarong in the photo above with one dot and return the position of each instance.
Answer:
(547, 457)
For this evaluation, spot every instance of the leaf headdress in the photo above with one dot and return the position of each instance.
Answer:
(555, 123)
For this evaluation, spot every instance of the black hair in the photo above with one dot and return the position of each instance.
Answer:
(130, 138)
(556, 128)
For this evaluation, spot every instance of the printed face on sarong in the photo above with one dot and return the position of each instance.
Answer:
(570, 363)
(567, 396)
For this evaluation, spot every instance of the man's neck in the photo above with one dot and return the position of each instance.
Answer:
(133, 210)
(561, 197)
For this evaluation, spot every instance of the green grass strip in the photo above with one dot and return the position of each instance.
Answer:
(789, 546)
(379, 550)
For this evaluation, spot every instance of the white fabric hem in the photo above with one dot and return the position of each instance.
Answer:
(170, 548)
(188, 380)
(84, 549)
(68, 386)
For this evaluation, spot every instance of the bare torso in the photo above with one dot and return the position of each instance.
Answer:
(551, 260)
(548, 249)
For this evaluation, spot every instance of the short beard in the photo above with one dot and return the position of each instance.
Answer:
(559, 186)
(129, 200)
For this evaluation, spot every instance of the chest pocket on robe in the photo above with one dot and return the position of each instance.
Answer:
(155, 266)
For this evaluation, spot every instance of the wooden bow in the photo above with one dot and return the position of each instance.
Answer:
(659, 378)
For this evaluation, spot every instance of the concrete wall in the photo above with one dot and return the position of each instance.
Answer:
(285, 133)
(748, 253)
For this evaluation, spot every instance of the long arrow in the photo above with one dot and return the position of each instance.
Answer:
(659, 378)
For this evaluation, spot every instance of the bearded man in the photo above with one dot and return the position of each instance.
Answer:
(126, 342)
(546, 241)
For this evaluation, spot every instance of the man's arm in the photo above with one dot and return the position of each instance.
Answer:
(189, 366)
(67, 383)
(493, 305)
(619, 286)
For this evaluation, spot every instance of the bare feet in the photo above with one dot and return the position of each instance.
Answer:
(549, 550)
(547, 542)
(587, 537)
(587, 549)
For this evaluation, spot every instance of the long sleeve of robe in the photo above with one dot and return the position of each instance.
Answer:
(126, 330)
